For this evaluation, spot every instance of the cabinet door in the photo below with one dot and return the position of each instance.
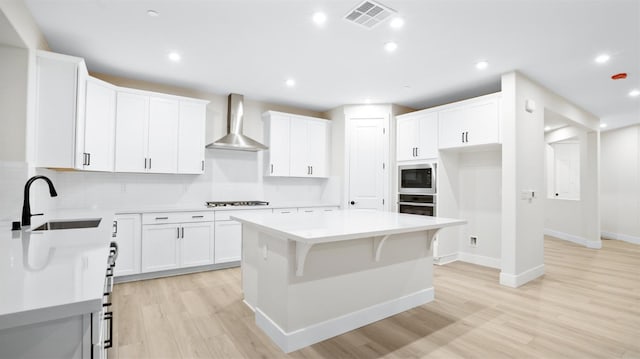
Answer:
(407, 139)
(132, 117)
(482, 122)
(228, 241)
(191, 137)
(318, 147)
(451, 128)
(428, 136)
(300, 166)
(196, 244)
(128, 233)
(277, 138)
(99, 124)
(163, 135)
(160, 247)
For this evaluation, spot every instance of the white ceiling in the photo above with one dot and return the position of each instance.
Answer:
(252, 46)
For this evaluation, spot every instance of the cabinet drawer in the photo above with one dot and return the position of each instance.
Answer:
(225, 215)
(285, 210)
(317, 209)
(177, 217)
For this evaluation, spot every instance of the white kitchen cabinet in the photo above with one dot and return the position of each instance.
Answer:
(298, 145)
(196, 245)
(132, 116)
(99, 123)
(160, 247)
(163, 139)
(417, 136)
(176, 240)
(156, 134)
(277, 137)
(75, 115)
(191, 130)
(470, 123)
(228, 241)
(311, 210)
(127, 232)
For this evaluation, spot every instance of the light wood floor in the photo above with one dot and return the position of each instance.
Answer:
(586, 305)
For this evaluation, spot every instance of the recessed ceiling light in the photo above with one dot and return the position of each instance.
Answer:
(603, 125)
(481, 65)
(602, 58)
(319, 18)
(153, 13)
(290, 82)
(634, 93)
(547, 128)
(174, 56)
(391, 46)
(397, 23)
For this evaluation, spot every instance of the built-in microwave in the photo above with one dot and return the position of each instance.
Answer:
(417, 179)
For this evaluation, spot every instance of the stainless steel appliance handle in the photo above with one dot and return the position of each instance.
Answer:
(417, 204)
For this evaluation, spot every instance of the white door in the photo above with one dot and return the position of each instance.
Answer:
(228, 241)
(99, 132)
(279, 146)
(300, 166)
(428, 136)
(407, 139)
(317, 147)
(128, 233)
(132, 116)
(196, 244)
(160, 247)
(191, 137)
(366, 163)
(163, 135)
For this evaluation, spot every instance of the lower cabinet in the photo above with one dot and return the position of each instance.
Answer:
(228, 241)
(127, 231)
(176, 245)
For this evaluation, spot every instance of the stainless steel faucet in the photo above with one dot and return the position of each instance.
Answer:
(26, 206)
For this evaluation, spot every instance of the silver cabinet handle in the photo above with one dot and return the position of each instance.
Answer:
(466, 137)
(182, 232)
(88, 159)
(272, 168)
(157, 218)
(462, 137)
(145, 162)
(311, 169)
(417, 151)
(149, 162)
(178, 235)
(203, 165)
(197, 216)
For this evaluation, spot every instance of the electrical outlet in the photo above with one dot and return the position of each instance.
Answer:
(473, 241)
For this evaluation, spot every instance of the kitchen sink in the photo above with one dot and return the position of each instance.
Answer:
(70, 224)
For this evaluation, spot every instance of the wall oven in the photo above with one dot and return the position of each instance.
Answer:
(417, 179)
(422, 204)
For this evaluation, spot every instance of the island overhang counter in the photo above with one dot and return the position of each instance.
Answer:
(310, 277)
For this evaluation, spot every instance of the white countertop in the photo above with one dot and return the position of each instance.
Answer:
(202, 207)
(342, 225)
(53, 274)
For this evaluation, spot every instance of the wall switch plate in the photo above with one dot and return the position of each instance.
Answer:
(530, 106)
(527, 194)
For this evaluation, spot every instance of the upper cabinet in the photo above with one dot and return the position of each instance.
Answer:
(417, 136)
(159, 134)
(298, 145)
(87, 124)
(60, 97)
(470, 123)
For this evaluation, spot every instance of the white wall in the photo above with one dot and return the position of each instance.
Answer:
(620, 184)
(523, 154)
(479, 198)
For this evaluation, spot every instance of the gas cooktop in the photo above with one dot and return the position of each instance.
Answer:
(237, 203)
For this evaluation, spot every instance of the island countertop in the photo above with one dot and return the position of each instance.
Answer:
(46, 275)
(342, 225)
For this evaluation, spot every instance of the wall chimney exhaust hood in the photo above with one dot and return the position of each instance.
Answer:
(235, 140)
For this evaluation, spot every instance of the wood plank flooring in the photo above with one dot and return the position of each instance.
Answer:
(587, 305)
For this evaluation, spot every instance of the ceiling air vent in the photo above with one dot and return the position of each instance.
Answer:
(369, 14)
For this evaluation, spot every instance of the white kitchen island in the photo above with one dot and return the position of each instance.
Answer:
(311, 277)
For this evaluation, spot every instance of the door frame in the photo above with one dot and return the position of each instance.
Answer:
(364, 112)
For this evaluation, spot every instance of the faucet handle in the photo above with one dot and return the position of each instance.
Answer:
(38, 214)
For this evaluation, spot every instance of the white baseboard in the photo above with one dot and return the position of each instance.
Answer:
(573, 238)
(292, 341)
(479, 260)
(249, 305)
(621, 237)
(516, 280)
(447, 258)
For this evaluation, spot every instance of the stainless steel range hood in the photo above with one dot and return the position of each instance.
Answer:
(235, 140)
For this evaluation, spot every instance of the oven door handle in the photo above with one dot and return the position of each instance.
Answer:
(417, 204)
